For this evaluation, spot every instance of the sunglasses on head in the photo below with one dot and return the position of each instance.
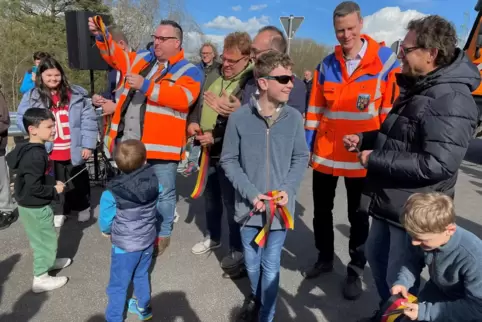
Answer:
(282, 79)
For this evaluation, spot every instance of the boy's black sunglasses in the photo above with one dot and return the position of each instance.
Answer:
(282, 79)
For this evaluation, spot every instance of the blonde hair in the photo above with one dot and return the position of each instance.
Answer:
(428, 213)
(130, 155)
(238, 40)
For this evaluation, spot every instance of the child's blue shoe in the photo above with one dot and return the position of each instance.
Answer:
(143, 314)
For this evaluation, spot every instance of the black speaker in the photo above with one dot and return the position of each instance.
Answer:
(82, 52)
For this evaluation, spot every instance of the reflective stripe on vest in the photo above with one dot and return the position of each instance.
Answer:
(164, 110)
(162, 148)
(337, 164)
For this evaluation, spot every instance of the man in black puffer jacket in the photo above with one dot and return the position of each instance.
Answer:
(422, 142)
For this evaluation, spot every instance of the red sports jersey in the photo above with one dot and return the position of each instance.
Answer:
(61, 150)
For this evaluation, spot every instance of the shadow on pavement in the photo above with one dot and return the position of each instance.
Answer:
(26, 307)
(166, 307)
(6, 267)
(72, 231)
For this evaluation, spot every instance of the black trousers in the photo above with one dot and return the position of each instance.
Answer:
(76, 196)
(324, 187)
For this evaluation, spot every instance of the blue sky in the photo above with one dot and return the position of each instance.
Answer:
(318, 19)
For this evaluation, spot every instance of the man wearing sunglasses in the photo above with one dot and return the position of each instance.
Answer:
(159, 88)
(353, 90)
(419, 147)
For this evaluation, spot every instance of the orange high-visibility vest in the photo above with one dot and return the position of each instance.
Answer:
(169, 96)
(341, 104)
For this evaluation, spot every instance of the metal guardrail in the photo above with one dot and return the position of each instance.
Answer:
(13, 130)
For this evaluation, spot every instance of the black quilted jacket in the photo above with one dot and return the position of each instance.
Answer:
(423, 140)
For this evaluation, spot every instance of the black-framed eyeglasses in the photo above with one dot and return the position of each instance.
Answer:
(161, 39)
(404, 51)
(231, 61)
(282, 79)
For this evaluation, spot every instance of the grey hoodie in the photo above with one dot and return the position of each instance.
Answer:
(258, 158)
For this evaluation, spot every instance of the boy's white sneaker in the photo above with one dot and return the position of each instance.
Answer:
(84, 215)
(45, 282)
(59, 220)
(61, 263)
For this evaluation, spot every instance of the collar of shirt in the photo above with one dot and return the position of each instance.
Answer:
(258, 107)
(362, 51)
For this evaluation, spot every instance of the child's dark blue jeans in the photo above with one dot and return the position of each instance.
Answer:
(126, 267)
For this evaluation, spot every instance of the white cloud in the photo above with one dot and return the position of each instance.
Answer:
(256, 7)
(233, 23)
(389, 24)
(193, 41)
(237, 8)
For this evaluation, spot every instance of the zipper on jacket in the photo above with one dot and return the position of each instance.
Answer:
(267, 158)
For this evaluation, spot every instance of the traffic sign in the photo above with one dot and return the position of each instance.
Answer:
(295, 24)
(396, 46)
(290, 25)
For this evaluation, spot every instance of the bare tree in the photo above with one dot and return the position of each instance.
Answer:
(307, 54)
(139, 18)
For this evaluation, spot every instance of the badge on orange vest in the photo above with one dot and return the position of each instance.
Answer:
(363, 101)
(392, 311)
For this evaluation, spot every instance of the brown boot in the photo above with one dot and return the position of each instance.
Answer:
(160, 245)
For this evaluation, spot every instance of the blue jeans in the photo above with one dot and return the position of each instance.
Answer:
(166, 206)
(263, 266)
(384, 250)
(219, 192)
(126, 267)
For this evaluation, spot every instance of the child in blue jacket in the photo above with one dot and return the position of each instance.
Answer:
(128, 215)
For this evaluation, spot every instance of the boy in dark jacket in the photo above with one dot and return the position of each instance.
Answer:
(453, 256)
(264, 155)
(128, 214)
(34, 195)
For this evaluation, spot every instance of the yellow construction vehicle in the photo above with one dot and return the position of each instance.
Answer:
(473, 49)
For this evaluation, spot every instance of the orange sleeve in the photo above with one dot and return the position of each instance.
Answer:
(317, 102)
(391, 93)
(114, 55)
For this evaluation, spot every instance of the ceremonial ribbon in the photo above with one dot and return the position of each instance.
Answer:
(202, 175)
(272, 210)
(99, 23)
(392, 311)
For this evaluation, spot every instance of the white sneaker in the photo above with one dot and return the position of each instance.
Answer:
(176, 216)
(205, 246)
(61, 263)
(84, 215)
(59, 220)
(45, 282)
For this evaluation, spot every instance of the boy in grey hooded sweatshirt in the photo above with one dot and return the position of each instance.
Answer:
(264, 151)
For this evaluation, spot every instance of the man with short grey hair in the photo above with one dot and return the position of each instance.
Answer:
(352, 88)
(271, 38)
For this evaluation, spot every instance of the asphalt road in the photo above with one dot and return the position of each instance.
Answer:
(190, 288)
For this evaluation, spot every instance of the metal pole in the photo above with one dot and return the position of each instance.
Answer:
(290, 33)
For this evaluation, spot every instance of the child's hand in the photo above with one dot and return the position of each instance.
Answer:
(60, 186)
(411, 311)
(258, 202)
(281, 198)
(86, 154)
(400, 289)
(106, 235)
